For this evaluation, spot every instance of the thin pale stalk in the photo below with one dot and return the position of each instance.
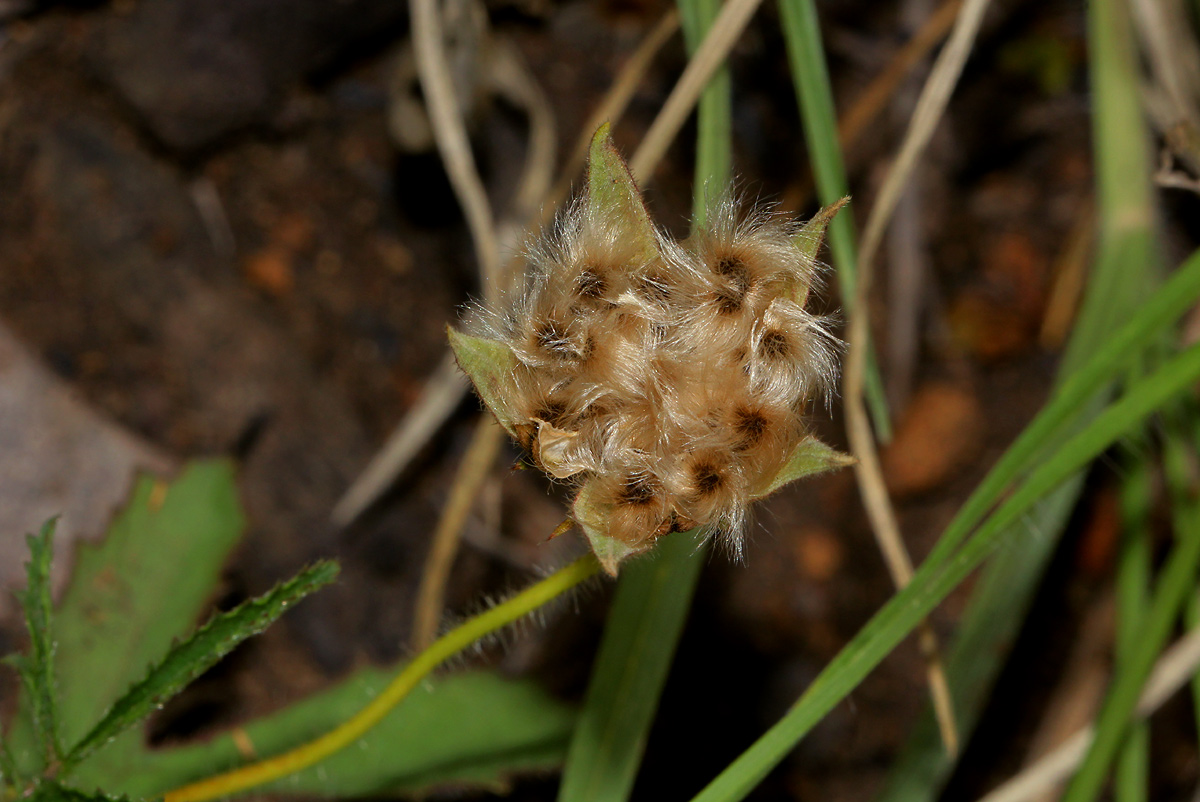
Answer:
(734, 16)
(1177, 665)
(472, 472)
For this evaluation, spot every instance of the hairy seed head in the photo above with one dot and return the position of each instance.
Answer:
(670, 379)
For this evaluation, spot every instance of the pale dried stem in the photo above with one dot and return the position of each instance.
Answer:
(441, 394)
(707, 59)
(1172, 671)
(930, 106)
(472, 473)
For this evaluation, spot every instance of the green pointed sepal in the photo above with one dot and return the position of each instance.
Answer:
(812, 234)
(592, 518)
(809, 458)
(811, 237)
(490, 365)
(612, 195)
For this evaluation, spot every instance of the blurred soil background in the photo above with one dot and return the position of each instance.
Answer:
(223, 232)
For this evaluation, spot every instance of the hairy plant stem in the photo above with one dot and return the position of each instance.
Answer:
(352, 729)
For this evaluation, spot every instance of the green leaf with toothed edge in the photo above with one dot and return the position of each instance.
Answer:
(190, 658)
(809, 458)
(490, 366)
(613, 196)
(592, 518)
(37, 668)
(51, 791)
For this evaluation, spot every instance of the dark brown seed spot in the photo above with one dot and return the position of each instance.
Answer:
(553, 412)
(655, 288)
(728, 300)
(707, 477)
(730, 265)
(638, 490)
(591, 284)
(551, 337)
(681, 523)
(525, 434)
(751, 426)
(774, 345)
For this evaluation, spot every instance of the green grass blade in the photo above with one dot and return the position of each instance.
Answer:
(1176, 583)
(619, 707)
(37, 668)
(714, 158)
(1133, 581)
(192, 657)
(1192, 618)
(933, 582)
(133, 594)
(806, 56)
(467, 730)
(653, 594)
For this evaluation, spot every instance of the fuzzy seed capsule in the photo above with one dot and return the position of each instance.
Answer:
(663, 378)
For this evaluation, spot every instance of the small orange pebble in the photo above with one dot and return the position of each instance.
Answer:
(270, 270)
(939, 433)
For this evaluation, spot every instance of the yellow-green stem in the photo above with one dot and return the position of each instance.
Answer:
(354, 728)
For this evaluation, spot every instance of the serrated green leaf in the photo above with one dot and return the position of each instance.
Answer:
(51, 791)
(592, 518)
(474, 729)
(133, 594)
(37, 668)
(191, 658)
(809, 458)
(490, 366)
(8, 767)
(613, 197)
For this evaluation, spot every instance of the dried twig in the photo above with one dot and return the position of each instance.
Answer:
(930, 107)
(1172, 671)
(709, 56)
(472, 472)
(867, 106)
(451, 136)
(615, 101)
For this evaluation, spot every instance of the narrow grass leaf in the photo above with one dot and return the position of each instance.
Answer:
(192, 657)
(645, 622)
(655, 593)
(1177, 581)
(810, 75)
(471, 730)
(37, 668)
(714, 158)
(1133, 582)
(933, 582)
